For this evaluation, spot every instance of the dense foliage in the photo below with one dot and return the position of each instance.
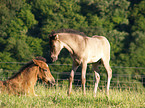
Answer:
(25, 25)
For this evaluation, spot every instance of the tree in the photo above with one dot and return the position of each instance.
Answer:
(138, 17)
(54, 15)
(114, 11)
(8, 10)
(27, 16)
(6, 57)
(137, 49)
(18, 43)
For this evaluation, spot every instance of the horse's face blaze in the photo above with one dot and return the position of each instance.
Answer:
(55, 48)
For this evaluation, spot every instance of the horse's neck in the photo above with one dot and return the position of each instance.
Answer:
(31, 73)
(26, 75)
(73, 42)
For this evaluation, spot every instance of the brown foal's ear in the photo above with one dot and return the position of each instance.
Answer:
(35, 62)
(38, 62)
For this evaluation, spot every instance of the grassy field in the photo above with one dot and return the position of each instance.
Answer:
(56, 97)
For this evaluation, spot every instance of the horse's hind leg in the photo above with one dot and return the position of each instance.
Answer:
(97, 77)
(109, 72)
(33, 92)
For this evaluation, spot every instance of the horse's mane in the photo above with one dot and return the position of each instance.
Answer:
(27, 65)
(68, 31)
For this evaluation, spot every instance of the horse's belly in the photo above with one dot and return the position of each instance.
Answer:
(94, 59)
(95, 54)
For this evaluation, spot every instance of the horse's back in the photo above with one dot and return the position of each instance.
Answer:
(101, 38)
(98, 41)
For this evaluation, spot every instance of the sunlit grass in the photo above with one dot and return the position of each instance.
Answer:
(57, 97)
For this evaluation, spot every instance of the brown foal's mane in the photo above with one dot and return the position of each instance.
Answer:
(27, 65)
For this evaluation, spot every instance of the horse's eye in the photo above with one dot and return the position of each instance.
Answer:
(53, 46)
(45, 69)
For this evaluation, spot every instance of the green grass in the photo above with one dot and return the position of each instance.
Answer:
(56, 97)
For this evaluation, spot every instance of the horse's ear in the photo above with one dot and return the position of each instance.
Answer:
(56, 37)
(35, 61)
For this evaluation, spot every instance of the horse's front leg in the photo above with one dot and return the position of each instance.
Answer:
(84, 68)
(74, 68)
(30, 91)
(33, 92)
(70, 82)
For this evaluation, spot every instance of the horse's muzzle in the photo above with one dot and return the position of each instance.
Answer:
(53, 59)
(52, 82)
